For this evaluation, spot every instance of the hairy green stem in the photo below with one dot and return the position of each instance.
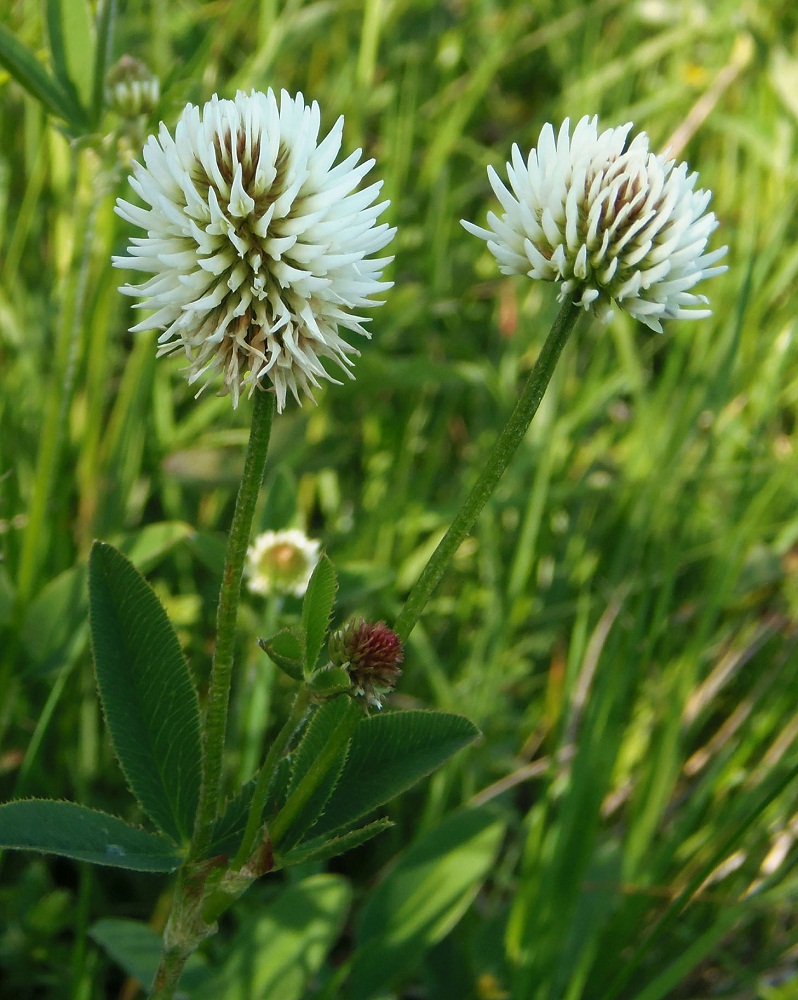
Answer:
(266, 777)
(317, 772)
(511, 437)
(215, 722)
(186, 927)
(185, 930)
(169, 972)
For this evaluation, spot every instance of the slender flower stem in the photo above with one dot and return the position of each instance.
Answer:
(511, 437)
(266, 777)
(215, 722)
(186, 927)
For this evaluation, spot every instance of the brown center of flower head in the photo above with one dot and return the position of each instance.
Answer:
(285, 557)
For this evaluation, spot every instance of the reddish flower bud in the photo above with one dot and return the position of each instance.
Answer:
(371, 652)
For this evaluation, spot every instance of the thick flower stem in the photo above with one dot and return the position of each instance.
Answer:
(168, 975)
(511, 437)
(184, 931)
(215, 722)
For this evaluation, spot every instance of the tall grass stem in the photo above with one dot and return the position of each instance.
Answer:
(59, 394)
(67, 350)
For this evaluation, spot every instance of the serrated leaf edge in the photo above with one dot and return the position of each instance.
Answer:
(106, 545)
(310, 655)
(303, 852)
(155, 834)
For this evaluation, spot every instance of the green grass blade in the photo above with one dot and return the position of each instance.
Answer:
(72, 49)
(30, 74)
(103, 51)
(281, 946)
(422, 898)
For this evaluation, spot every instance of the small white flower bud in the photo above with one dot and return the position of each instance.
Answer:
(281, 562)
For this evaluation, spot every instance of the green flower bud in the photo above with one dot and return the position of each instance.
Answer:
(131, 89)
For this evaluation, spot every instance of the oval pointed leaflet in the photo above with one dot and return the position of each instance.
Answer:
(148, 697)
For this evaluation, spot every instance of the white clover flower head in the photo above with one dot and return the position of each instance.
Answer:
(281, 562)
(258, 246)
(609, 220)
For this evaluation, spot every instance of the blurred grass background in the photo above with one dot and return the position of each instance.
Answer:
(621, 624)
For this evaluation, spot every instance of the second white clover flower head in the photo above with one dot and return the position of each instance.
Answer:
(131, 89)
(281, 562)
(259, 248)
(608, 220)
